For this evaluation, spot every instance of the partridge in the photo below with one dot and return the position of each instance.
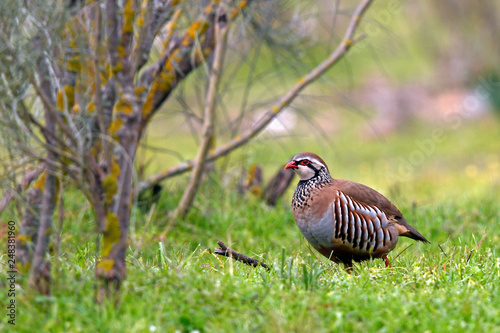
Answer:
(345, 221)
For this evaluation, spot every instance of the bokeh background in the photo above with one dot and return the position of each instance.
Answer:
(412, 108)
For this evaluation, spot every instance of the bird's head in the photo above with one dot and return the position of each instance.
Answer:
(308, 165)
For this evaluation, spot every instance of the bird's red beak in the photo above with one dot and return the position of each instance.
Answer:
(291, 165)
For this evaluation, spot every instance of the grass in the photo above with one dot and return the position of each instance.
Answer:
(178, 285)
(452, 196)
(181, 286)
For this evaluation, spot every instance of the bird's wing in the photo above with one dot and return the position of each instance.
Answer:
(369, 196)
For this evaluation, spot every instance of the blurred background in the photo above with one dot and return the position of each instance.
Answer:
(413, 110)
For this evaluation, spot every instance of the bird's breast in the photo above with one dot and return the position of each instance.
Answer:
(315, 223)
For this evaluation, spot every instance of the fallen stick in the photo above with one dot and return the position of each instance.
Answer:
(228, 252)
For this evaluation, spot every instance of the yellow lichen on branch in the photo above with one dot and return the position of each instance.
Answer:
(147, 108)
(123, 106)
(106, 265)
(122, 53)
(109, 187)
(23, 239)
(172, 59)
(116, 124)
(91, 107)
(111, 235)
(162, 84)
(110, 183)
(73, 64)
(40, 183)
(23, 267)
(66, 94)
(191, 33)
(128, 16)
(118, 67)
(165, 79)
(142, 14)
(139, 90)
(115, 169)
(239, 7)
(171, 25)
(76, 109)
(199, 27)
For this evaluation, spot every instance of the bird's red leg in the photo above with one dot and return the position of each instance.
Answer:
(387, 263)
(348, 268)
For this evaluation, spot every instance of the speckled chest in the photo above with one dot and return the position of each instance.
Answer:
(313, 218)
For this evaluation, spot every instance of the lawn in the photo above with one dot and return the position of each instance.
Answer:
(448, 188)
(179, 285)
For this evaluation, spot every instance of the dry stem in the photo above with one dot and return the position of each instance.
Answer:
(228, 252)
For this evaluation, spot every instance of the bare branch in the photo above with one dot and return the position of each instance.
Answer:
(112, 32)
(347, 42)
(208, 116)
(40, 270)
(100, 114)
(477, 247)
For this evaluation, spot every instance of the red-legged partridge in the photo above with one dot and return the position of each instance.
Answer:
(343, 220)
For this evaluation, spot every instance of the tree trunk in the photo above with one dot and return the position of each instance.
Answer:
(40, 270)
(28, 229)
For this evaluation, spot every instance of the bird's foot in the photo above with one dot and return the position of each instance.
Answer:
(387, 263)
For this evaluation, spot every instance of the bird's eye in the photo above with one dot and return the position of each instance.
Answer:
(305, 162)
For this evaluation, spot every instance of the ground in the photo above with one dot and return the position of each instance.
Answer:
(451, 195)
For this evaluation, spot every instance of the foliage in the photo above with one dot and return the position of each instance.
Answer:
(449, 190)
(96, 82)
(451, 285)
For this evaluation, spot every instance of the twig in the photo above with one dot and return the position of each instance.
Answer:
(472, 251)
(347, 42)
(57, 240)
(400, 253)
(442, 250)
(208, 116)
(228, 252)
(40, 270)
(101, 118)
